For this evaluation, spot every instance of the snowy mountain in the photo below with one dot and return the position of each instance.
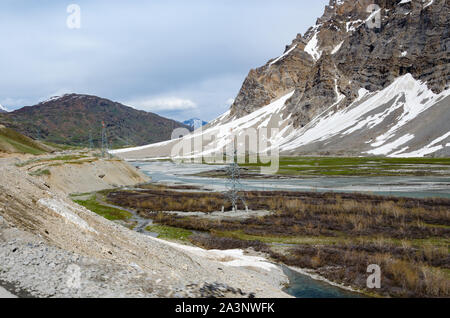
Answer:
(3, 109)
(195, 123)
(349, 86)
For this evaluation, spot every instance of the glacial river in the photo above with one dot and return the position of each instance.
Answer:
(414, 187)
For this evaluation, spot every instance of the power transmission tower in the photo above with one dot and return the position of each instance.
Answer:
(104, 140)
(234, 184)
(38, 134)
(91, 142)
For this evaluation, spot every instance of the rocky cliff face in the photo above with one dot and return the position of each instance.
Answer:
(354, 45)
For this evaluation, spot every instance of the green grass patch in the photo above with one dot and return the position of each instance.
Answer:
(169, 232)
(60, 146)
(67, 159)
(359, 166)
(40, 172)
(74, 195)
(26, 163)
(107, 212)
(432, 241)
(332, 240)
(439, 226)
(20, 143)
(80, 162)
(321, 240)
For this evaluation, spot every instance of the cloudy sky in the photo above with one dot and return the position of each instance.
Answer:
(177, 58)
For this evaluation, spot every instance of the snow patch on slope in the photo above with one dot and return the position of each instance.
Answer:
(428, 149)
(221, 129)
(418, 98)
(408, 96)
(283, 55)
(2, 108)
(387, 148)
(337, 48)
(312, 48)
(429, 3)
(353, 25)
(258, 119)
(386, 111)
(64, 210)
(234, 258)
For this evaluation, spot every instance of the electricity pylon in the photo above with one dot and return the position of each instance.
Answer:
(91, 142)
(104, 140)
(234, 184)
(38, 134)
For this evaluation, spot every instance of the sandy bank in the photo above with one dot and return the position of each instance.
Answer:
(94, 176)
(68, 233)
(81, 173)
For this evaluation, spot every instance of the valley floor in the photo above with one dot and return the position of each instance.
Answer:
(49, 235)
(335, 235)
(346, 166)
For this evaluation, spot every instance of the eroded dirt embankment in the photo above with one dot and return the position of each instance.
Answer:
(82, 172)
(45, 238)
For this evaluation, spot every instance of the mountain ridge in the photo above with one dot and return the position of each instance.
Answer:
(76, 118)
(317, 64)
(349, 88)
(195, 123)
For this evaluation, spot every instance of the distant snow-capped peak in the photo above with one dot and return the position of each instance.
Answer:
(3, 109)
(64, 96)
(195, 123)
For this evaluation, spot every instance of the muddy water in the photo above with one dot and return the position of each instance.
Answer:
(414, 187)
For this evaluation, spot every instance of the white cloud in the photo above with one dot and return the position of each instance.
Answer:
(58, 93)
(108, 57)
(230, 101)
(12, 103)
(163, 104)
